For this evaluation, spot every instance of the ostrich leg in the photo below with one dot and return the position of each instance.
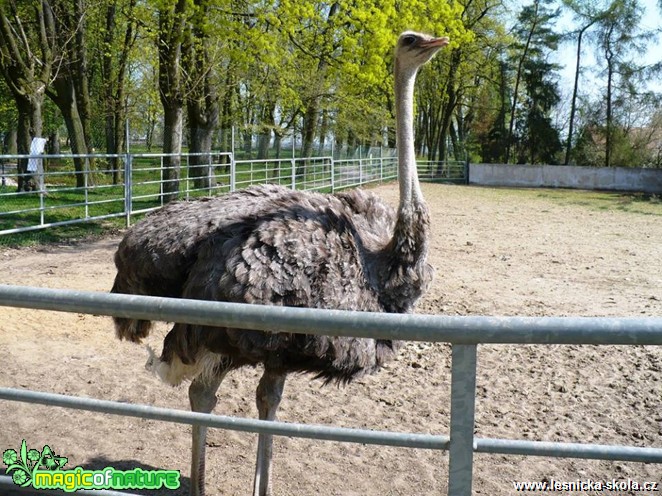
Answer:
(269, 394)
(202, 396)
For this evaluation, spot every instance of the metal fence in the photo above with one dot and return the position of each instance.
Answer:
(116, 186)
(464, 333)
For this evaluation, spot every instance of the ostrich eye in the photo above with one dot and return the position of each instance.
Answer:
(408, 40)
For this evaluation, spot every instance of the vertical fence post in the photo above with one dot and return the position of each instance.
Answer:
(42, 207)
(127, 173)
(466, 171)
(86, 184)
(463, 402)
(233, 166)
(209, 174)
(294, 173)
(128, 187)
(233, 173)
(188, 175)
(161, 189)
(360, 171)
(333, 167)
(333, 174)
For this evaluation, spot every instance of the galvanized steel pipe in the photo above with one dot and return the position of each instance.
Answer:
(460, 330)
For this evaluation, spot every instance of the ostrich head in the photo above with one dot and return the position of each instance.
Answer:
(415, 49)
(411, 51)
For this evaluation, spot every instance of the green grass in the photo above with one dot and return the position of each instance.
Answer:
(635, 203)
(60, 204)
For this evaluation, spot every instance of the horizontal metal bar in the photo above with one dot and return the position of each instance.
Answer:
(7, 483)
(327, 433)
(59, 224)
(284, 160)
(568, 450)
(408, 440)
(182, 155)
(461, 330)
(62, 155)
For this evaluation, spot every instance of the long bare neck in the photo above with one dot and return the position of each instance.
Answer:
(410, 190)
(404, 272)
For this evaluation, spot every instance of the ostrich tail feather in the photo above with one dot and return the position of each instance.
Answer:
(175, 371)
(169, 373)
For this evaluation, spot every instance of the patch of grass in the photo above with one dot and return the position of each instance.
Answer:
(636, 203)
(63, 202)
(61, 235)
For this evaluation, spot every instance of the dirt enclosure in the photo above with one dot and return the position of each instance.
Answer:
(496, 252)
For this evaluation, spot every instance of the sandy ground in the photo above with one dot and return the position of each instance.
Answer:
(497, 252)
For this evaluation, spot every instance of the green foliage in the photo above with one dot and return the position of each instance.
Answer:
(276, 68)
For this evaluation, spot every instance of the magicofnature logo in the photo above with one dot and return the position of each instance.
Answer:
(44, 470)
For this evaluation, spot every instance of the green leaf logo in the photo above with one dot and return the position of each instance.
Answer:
(26, 462)
(9, 457)
(21, 477)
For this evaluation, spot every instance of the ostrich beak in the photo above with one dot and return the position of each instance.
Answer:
(435, 43)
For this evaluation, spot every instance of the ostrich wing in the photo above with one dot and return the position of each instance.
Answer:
(305, 255)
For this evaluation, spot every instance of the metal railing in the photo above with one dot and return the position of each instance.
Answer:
(464, 333)
(453, 171)
(112, 186)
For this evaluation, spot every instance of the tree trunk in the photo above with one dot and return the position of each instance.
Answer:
(609, 56)
(114, 69)
(170, 37)
(518, 79)
(263, 142)
(64, 96)
(52, 146)
(309, 127)
(111, 146)
(324, 129)
(200, 161)
(575, 89)
(311, 116)
(29, 126)
(26, 70)
(172, 148)
(80, 74)
(268, 123)
(9, 143)
(202, 97)
(451, 102)
(278, 143)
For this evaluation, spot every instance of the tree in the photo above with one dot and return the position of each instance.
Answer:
(534, 36)
(587, 15)
(443, 99)
(618, 37)
(201, 94)
(69, 88)
(26, 57)
(8, 120)
(120, 31)
(540, 141)
(172, 18)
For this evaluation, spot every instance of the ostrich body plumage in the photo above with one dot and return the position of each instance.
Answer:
(270, 245)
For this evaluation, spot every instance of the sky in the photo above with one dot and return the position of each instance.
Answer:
(566, 55)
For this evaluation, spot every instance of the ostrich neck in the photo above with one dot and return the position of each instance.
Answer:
(410, 191)
(404, 273)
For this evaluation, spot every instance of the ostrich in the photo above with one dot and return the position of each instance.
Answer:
(270, 245)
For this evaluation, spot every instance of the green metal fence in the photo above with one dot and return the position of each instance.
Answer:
(464, 333)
